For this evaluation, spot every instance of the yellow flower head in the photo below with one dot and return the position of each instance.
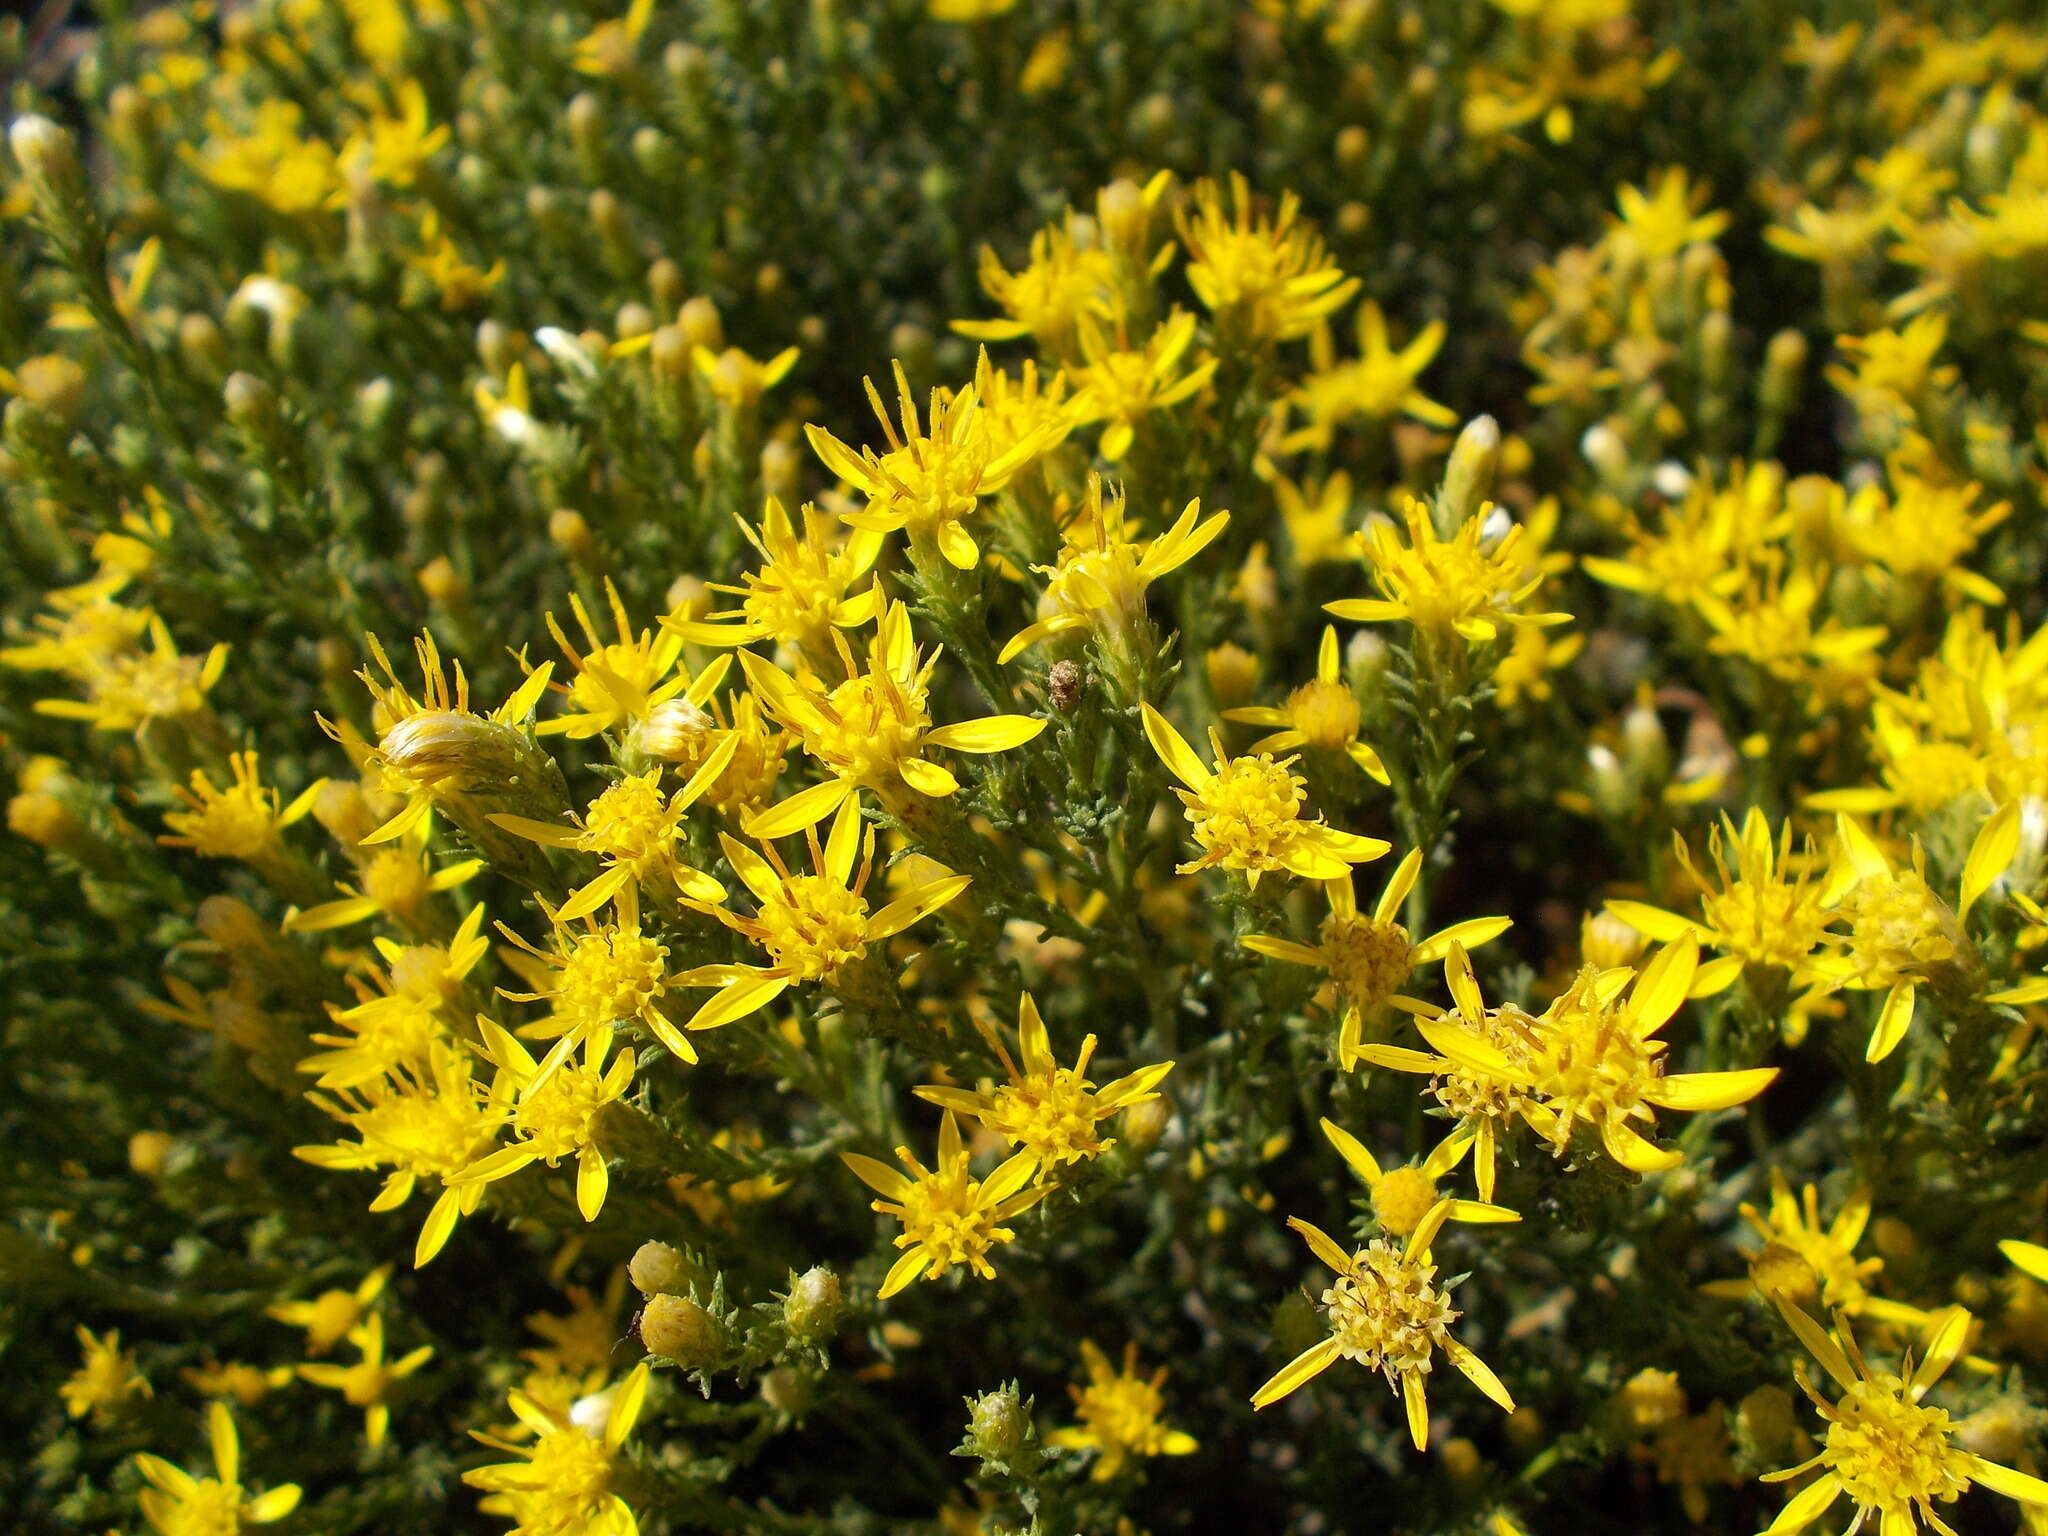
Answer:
(1247, 816)
(1100, 577)
(608, 48)
(1323, 714)
(1123, 385)
(1471, 584)
(1665, 220)
(1386, 1312)
(633, 827)
(1763, 906)
(241, 822)
(433, 748)
(1593, 1057)
(1377, 385)
(553, 1117)
(934, 474)
(332, 1315)
(619, 683)
(105, 1380)
(1404, 1197)
(1370, 957)
(607, 974)
(949, 1217)
(562, 1483)
(131, 689)
(802, 592)
(1894, 1456)
(1066, 279)
(1805, 1260)
(1266, 278)
(1053, 1113)
(179, 1504)
(424, 1123)
(368, 1382)
(870, 732)
(1121, 1414)
(813, 927)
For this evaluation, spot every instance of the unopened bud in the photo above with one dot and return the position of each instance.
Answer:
(656, 1268)
(665, 286)
(1233, 673)
(55, 383)
(147, 1151)
(47, 156)
(43, 819)
(441, 582)
(998, 1425)
(812, 1308)
(680, 1330)
(701, 327)
(201, 346)
(251, 403)
(1469, 476)
(569, 531)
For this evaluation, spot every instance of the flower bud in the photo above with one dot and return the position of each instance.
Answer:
(1647, 1401)
(55, 383)
(1469, 476)
(251, 404)
(812, 1308)
(680, 1330)
(998, 1424)
(49, 159)
(788, 1391)
(1233, 674)
(201, 346)
(147, 1151)
(656, 1268)
(569, 531)
(701, 327)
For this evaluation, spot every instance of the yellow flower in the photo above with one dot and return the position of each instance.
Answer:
(1265, 279)
(106, 1379)
(554, 1117)
(246, 1384)
(332, 1315)
(1900, 932)
(459, 282)
(366, 1383)
(1667, 219)
(812, 926)
(1247, 813)
(1315, 515)
(618, 684)
(1378, 385)
(949, 1217)
(563, 1482)
(870, 731)
(427, 1123)
(1802, 1260)
(1763, 908)
(580, 1341)
(241, 822)
(433, 749)
(608, 48)
(1100, 577)
(1593, 1058)
(1405, 1197)
(1891, 1454)
(273, 162)
(929, 481)
(395, 883)
(1065, 280)
(132, 689)
(1052, 1112)
(88, 631)
(1123, 386)
(1387, 1313)
(633, 827)
(1532, 656)
(1322, 714)
(179, 1504)
(1120, 1413)
(1369, 958)
(395, 146)
(607, 975)
(1470, 585)
(1703, 542)
(966, 11)
(802, 592)
(1768, 620)
(736, 379)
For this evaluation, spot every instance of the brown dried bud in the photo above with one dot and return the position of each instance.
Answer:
(1063, 685)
